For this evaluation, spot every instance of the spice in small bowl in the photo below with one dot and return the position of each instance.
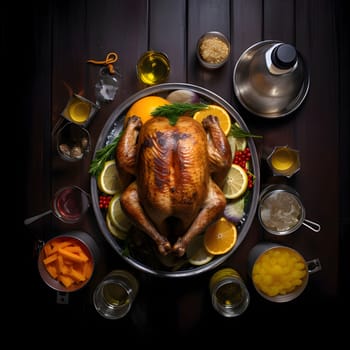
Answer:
(213, 50)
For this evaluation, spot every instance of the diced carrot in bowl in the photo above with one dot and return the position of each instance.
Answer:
(66, 263)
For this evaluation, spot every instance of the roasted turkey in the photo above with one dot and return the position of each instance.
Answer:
(173, 175)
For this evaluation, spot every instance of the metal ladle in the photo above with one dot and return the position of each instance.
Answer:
(30, 220)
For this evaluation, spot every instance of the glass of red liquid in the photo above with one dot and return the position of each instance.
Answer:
(70, 203)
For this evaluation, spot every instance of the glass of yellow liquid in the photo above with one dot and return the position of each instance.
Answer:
(284, 161)
(115, 294)
(229, 294)
(153, 68)
(80, 110)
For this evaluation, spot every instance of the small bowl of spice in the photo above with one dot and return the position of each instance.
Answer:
(213, 50)
(73, 142)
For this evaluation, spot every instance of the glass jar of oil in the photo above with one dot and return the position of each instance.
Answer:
(229, 294)
(153, 68)
(115, 294)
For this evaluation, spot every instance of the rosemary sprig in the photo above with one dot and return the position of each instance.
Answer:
(237, 131)
(102, 155)
(175, 110)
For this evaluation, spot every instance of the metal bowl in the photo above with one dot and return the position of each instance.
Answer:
(90, 248)
(149, 261)
(265, 93)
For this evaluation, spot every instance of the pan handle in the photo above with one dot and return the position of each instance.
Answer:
(314, 226)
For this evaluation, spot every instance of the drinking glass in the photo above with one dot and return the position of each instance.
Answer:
(115, 294)
(229, 294)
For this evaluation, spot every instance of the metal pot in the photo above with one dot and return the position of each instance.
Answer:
(90, 247)
(261, 249)
(281, 211)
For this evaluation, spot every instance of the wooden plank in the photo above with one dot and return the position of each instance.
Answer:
(279, 23)
(319, 144)
(68, 55)
(247, 25)
(246, 30)
(36, 114)
(342, 17)
(203, 16)
(167, 34)
(120, 26)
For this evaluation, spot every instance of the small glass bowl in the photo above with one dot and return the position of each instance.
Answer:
(213, 50)
(73, 142)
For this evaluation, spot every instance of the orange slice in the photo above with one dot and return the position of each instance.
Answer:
(219, 112)
(220, 237)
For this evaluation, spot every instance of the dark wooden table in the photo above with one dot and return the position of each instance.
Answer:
(60, 36)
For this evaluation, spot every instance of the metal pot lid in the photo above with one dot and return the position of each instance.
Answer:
(268, 89)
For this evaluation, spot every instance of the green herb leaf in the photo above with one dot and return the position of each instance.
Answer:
(237, 131)
(102, 155)
(175, 110)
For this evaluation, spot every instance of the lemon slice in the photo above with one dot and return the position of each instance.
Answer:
(196, 252)
(236, 182)
(114, 230)
(220, 237)
(219, 112)
(108, 180)
(117, 215)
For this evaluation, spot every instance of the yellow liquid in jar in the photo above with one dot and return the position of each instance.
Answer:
(115, 295)
(283, 159)
(153, 68)
(79, 111)
(229, 295)
(222, 274)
